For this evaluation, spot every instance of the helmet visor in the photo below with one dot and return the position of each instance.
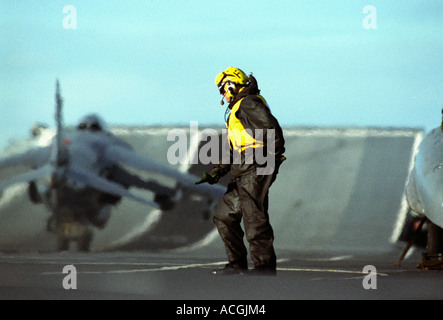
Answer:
(221, 88)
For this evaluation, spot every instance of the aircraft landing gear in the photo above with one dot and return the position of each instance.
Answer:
(432, 259)
(165, 202)
(76, 232)
(33, 193)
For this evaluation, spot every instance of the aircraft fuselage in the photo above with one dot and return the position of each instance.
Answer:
(426, 181)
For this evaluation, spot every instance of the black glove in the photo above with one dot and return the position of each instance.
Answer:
(209, 178)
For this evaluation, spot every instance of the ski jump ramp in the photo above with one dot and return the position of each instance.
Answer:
(340, 190)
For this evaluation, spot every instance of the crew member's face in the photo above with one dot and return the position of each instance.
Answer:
(227, 98)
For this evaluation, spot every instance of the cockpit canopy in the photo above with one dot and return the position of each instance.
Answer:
(91, 122)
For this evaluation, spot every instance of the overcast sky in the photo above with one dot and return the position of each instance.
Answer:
(318, 63)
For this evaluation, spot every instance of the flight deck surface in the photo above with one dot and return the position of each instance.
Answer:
(337, 209)
(162, 276)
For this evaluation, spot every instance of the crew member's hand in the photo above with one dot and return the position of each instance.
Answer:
(209, 178)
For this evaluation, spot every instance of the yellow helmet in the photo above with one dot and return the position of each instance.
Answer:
(231, 81)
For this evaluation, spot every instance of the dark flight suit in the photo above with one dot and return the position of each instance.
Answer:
(247, 193)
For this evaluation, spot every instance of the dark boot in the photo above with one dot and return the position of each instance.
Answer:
(262, 271)
(231, 269)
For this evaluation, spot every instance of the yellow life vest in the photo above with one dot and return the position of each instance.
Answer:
(240, 138)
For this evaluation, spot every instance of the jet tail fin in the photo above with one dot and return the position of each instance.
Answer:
(62, 153)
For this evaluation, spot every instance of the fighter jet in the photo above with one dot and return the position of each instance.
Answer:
(424, 191)
(85, 171)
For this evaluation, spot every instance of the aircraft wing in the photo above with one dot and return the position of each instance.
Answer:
(27, 176)
(103, 184)
(75, 174)
(32, 157)
(129, 158)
